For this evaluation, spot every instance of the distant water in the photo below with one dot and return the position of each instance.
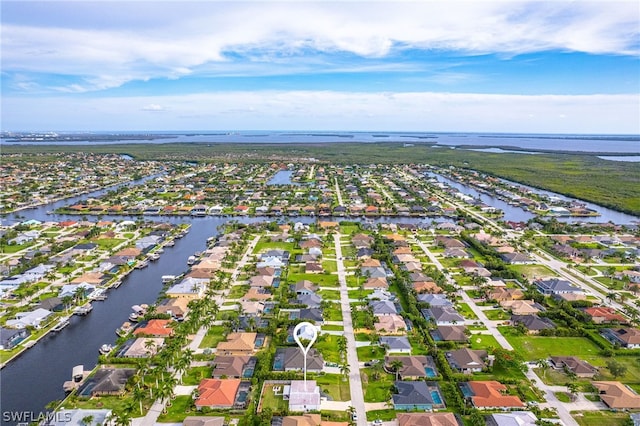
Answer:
(610, 144)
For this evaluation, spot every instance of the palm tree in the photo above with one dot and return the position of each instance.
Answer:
(396, 365)
(149, 346)
(611, 296)
(66, 300)
(543, 365)
(345, 370)
(138, 396)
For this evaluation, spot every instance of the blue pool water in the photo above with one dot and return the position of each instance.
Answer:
(466, 390)
(248, 373)
(242, 396)
(278, 364)
(435, 395)
(430, 371)
(259, 342)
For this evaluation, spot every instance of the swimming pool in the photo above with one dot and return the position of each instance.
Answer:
(435, 396)
(242, 396)
(430, 372)
(466, 390)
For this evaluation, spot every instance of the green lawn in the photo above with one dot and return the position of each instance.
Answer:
(376, 390)
(215, 335)
(331, 327)
(273, 401)
(333, 312)
(327, 344)
(335, 386)
(359, 295)
(497, 314)
(464, 310)
(237, 291)
(600, 418)
(330, 265)
(537, 347)
(329, 294)
(194, 375)
(322, 280)
(483, 341)
(181, 407)
(265, 244)
(108, 243)
(384, 415)
(532, 271)
(367, 353)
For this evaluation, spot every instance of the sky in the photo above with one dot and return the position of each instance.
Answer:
(463, 66)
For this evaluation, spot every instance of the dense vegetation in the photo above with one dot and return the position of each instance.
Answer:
(609, 183)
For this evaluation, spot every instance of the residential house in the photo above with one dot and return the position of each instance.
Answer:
(202, 421)
(305, 287)
(427, 419)
(383, 307)
(234, 367)
(292, 359)
(466, 360)
(78, 417)
(516, 258)
(416, 395)
(556, 286)
(533, 323)
(144, 347)
(176, 307)
(376, 283)
(501, 294)
(217, 393)
(238, 344)
(450, 333)
(574, 364)
(522, 307)
(490, 395)
(413, 367)
(189, 288)
(628, 338)
(309, 300)
(390, 324)
(35, 319)
(434, 299)
(443, 315)
(395, 344)
(604, 314)
(11, 337)
(514, 418)
(617, 396)
(156, 328)
(107, 381)
(303, 395)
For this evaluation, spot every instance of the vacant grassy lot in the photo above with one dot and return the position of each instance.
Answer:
(327, 344)
(215, 335)
(483, 341)
(335, 386)
(376, 390)
(538, 347)
(600, 418)
(532, 271)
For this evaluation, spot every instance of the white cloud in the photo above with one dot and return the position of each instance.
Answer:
(304, 110)
(153, 108)
(211, 33)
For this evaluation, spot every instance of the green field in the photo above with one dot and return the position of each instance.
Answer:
(538, 347)
(335, 386)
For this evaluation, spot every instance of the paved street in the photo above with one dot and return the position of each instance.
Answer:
(357, 396)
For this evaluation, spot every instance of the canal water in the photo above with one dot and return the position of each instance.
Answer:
(282, 177)
(516, 214)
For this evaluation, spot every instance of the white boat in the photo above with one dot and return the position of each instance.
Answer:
(168, 278)
(83, 310)
(133, 317)
(153, 256)
(191, 260)
(97, 294)
(142, 264)
(62, 323)
(124, 329)
(105, 349)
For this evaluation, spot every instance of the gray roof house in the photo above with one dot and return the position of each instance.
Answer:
(450, 333)
(416, 396)
(10, 337)
(466, 360)
(443, 315)
(434, 299)
(413, 367)
(380, 307)
(533, 323)
(292, 359)
(34, 319)
(556, 286)
(311, 300)
(396, 343)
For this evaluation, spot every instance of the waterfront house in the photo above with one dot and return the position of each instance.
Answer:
(144, 347)
(156, 328)
(10, 337)
(35, 319)
(107, 381)
(78, 417)
(189, 288)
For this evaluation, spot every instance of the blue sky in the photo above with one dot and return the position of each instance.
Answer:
(506, 66)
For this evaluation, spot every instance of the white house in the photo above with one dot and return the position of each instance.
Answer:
(29, 319)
